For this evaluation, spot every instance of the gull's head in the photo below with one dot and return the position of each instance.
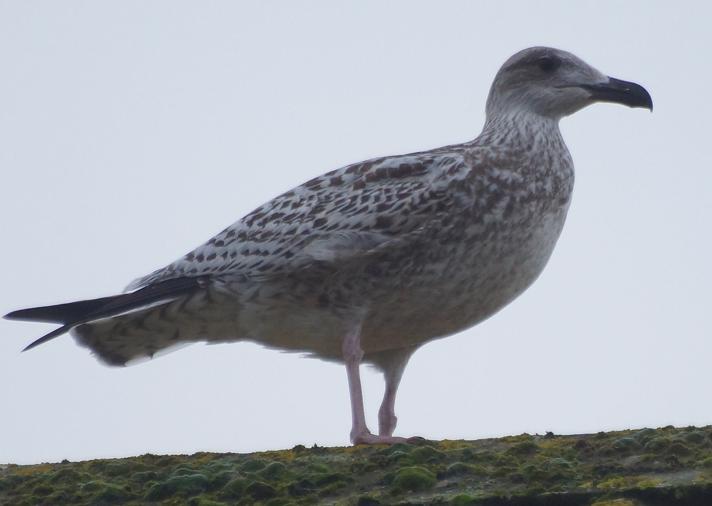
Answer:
(553, 83)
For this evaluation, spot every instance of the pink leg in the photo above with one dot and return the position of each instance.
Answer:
(392, 364)
(353, 354)
(387, 418)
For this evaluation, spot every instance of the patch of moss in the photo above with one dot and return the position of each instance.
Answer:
(367, 500)
(234, 489)
(400, 457)
(425, 454)
(253, 465)
(144, 476)
(259, 490)
(462, 469)
(515, 471)
(273, 471)
(413, 479)
(614, 502)
(462, 500)
(181, 486)
(626, 445)
(527, 447)
(111, 494)
(706, 462)
(202, 501)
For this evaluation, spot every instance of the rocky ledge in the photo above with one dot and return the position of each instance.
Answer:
(646, 467)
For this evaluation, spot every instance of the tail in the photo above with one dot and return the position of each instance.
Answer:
(73, 314)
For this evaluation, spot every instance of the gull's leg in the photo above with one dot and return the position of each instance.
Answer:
(393, 369)
(352, 353)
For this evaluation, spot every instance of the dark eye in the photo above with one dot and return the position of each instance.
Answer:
(548, 63)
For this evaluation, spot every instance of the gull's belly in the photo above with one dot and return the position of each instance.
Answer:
(467, 288)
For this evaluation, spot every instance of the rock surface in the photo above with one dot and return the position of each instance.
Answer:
(666, 466)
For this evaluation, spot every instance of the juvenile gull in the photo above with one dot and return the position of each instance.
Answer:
(368, 262)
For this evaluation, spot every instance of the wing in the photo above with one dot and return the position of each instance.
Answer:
(338, 216)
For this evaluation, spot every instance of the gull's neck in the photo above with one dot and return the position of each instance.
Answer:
(520, 129)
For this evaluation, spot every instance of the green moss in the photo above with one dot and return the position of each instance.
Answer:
(678, 449)
(461, 469)
(462, 500)
(655, 466)
(201, 501)
(696, 437)
(253, 465)
(626, 445)
(65, 474)
(657, 444)
(400, 457)
(234, 489)
(614, 502)
(523, 448)
(259, 490)
(42, 490)
(706, 462)
(424, 454)
(121, 468)
(273, 471)
(182, 486)
(413, 479)
(367, 500)
(144, 476)
(111, 494)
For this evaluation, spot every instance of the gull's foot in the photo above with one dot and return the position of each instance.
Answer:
(417, 440)
(367, 438)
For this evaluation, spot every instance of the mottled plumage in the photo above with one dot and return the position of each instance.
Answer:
(370, 261)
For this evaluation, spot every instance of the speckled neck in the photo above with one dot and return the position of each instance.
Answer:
(521, 129)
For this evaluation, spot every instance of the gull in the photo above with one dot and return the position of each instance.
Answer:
(367, 263)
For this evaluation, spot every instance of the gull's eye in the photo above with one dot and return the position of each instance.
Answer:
(548, 63)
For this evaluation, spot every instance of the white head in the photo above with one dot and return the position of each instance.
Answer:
(554, 83)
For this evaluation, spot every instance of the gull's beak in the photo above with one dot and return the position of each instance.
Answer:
(620, 92)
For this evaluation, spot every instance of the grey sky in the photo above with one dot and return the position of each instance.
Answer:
(131, 132)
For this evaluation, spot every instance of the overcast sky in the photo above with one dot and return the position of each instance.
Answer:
(132, 131)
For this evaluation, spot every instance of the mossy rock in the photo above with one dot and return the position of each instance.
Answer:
(234, 489)
(462, 500)
(464, 469)
(524, 448)
(259, 490)
(614, 502)
(626, 445)
(111, 494)
(426, 454)
(696, 437)
(400, 458)
(181, 486)
(413, 479)
(253, 465)
(518, 470)
(273, 471)
(367, 500)
(65, 475)
(144, 476)
(202, 501)
(122, 468)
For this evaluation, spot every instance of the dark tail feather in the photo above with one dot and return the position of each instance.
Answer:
(84, 311)
(60, 313)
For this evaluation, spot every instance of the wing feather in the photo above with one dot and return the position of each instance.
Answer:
(338, 216)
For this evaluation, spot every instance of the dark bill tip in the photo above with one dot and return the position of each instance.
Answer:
(621, 92)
